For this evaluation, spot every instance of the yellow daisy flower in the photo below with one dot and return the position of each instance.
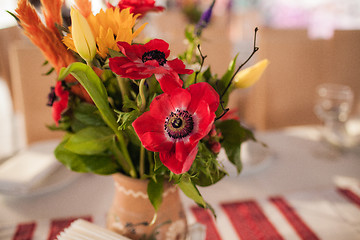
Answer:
(109, 27)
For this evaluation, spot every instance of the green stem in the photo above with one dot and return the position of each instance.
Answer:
(189, 52)
(151, 162)
(142, 161)
(120, 157)
(123, 84)
(142, 95)
(125, 153)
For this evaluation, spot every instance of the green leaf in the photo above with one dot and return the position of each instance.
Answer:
(90, 140)
(129, 104)
(206, 169)
(190, 190)
(98, 164)
(155, 190)
(96, 89)
(61, 127)
(158, 163)
(190, 80)
(189, 33)
(76, 125)
(234, 134)
(114, 53)
(159, 168)
(230, 71)
(208, 206)
(94, 86)
(88, 114)
(127, 118)
(14, 16)
(49, 72)
(132, 136)
(207, 75)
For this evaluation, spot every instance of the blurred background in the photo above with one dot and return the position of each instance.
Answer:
(307, 43)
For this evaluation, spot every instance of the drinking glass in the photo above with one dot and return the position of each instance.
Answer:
(333, 106)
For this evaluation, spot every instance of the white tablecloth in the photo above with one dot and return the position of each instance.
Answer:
(302, 191)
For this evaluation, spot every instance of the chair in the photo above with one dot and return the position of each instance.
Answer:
(30, 90)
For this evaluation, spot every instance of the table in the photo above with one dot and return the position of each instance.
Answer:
(297, 193)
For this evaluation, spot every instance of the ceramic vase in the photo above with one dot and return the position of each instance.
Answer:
(131, 213)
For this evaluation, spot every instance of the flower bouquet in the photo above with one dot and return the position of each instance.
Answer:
(127, 107)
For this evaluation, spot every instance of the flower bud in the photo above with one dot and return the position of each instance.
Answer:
(247, 77)
(216, 147)
(213, 132)
(82, 35)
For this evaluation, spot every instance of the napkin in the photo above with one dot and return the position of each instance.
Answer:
(24, 170)
(82, 230)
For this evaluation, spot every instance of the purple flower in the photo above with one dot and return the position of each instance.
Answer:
(204, 20)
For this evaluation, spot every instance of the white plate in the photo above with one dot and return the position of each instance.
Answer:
(56, 180)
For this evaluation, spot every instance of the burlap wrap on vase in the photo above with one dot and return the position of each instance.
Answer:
(131, 212)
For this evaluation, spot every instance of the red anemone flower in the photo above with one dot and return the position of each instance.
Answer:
(142, 61)
(138, 6)
(231, 114)
(176, 122)
(58, 99)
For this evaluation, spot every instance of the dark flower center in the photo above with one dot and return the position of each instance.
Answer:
(179, 124)
(154, 55)
(51, 97)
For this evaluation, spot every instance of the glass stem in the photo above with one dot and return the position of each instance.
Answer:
(336, 133)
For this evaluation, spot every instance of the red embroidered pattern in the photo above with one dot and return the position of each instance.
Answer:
(351, 196)
(24, 231)
(203, 216)
(249, 221)
(296, 222)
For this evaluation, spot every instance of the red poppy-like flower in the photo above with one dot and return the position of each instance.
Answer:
(58, 99)
(138, 6)
(142, 61)
(176, 122)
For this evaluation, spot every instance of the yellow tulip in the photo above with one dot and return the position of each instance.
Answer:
(82, 35)
(247, 77)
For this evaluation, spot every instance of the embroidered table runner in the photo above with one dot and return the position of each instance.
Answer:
(326, 214)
